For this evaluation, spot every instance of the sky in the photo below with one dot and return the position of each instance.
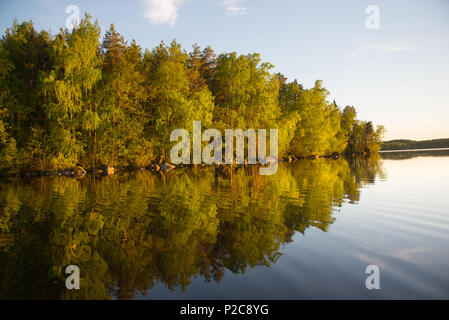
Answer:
(387, 58)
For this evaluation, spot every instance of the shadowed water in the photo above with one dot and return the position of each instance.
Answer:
(307, 232)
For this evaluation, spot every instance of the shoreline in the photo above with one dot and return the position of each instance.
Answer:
(408, 150)
(105, 170)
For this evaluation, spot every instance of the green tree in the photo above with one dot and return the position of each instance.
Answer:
(24, 56)
(173, 101)
(119, 138)
(69, 91)
(246, 94)
(314, 131)
(290, 118)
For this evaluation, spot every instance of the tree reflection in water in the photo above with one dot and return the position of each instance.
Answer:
(128, 232)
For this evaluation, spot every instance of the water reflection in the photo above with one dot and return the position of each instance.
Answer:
(129, 232)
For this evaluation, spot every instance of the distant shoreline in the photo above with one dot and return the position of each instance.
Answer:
(407, 150)
(404, 144)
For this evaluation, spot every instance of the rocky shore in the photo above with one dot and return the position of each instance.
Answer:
(162, 167)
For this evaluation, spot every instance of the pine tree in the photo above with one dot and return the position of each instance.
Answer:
(120, 139)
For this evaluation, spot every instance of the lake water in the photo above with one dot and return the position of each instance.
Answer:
(307, 232)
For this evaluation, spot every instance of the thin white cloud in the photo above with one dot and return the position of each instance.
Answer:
(234, 7)
(382, 49)
(162, 11)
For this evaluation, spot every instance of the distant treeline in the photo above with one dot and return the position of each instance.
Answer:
(402, 144)
(73, 99)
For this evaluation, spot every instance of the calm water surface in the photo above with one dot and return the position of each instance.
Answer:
(307, 232)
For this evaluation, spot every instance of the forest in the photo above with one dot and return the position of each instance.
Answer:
(76, 98)
(411, 144)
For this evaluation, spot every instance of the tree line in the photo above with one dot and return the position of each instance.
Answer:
(402, 144)
(75, 98)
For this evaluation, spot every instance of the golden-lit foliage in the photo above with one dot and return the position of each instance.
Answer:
(73, 99)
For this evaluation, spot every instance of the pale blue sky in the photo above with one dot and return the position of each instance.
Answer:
(397, 75)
